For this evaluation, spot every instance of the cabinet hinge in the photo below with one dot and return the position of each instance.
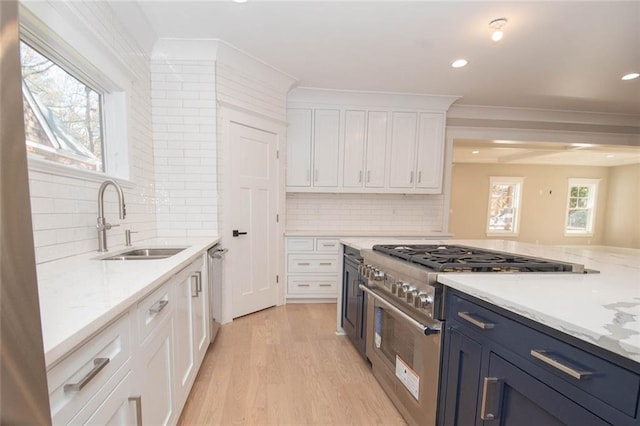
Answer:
(277, 279)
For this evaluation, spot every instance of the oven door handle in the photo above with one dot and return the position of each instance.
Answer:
(426, 330)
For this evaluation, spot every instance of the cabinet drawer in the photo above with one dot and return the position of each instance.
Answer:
(610, 383)
(312, 264)
(327, 245)
(152, 310)
(74, 381)
(312, 285)
(300, 244)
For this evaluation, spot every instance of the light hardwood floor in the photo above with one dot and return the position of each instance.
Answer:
(286, 366)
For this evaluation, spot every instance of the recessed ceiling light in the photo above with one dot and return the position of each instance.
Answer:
(459, 63)
(475, 152)
(630, 76)
(239, 1)
(497, 25)
(610, 155)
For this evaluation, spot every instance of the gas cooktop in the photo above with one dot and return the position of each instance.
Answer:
(457, 258)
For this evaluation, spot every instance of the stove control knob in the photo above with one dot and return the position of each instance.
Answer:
(412, 294)
(423, 300)
(403, 289)
(378, 275)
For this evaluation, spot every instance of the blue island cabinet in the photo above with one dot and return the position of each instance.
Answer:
(501, 369)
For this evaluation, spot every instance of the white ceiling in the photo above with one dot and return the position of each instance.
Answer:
(510, 152)
(555, 55)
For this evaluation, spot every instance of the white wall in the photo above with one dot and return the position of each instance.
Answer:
(366, 213)
(184, 134)
(65, 209)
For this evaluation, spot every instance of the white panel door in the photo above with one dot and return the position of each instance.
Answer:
(403, 150)
(354, 127)
(326, 147)
(252, 257)
(430, 151)
(376, 149)
(299, 147)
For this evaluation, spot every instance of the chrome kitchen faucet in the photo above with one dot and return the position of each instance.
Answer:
(102, 226)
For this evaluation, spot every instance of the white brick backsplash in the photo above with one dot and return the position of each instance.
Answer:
(184, 130)
(364, 212)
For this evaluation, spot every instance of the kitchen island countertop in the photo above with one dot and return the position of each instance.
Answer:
(79, 295)
(600, 308)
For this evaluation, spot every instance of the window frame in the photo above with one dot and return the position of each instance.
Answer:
(593, 183)
(71, 45)
(519, 182)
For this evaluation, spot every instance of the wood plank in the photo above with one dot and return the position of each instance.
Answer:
(286, 366)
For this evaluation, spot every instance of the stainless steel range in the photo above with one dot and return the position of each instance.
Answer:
(405, 313)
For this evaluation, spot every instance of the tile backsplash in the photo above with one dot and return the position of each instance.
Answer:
(364, 212)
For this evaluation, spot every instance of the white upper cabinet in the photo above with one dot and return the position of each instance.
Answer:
(353, 164)
(376, 155)
(299, 148)
(430, 156)
(359, 142)
(403, 150)
(326, 147)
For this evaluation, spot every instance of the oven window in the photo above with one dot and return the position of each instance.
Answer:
(396, 339)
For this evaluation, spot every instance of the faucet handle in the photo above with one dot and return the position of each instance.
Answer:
(127, 236)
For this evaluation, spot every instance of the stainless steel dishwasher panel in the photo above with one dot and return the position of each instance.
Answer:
(216, 276)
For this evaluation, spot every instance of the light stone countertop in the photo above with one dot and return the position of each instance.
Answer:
(602, 309)
(79, 295)
(369, 234)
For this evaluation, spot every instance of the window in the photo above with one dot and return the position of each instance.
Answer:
(63, 115)
(504, 205)
(581, 207)
(76, 91)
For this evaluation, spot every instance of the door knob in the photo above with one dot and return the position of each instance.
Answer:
(236, 233)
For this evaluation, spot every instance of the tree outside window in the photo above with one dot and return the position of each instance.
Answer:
(581, 206)
(504, 205)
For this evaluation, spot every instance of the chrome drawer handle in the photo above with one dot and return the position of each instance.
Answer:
(542, 356)
(98, 365)
(159, 306)
(325, 285)
(325, 263)
(303, 285)
(489, 381)
(199, 281)
(138, 401)
(304, 264)
(468, 317)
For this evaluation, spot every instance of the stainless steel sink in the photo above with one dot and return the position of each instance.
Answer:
(145, 253)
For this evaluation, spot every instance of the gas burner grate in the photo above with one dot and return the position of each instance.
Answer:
(453, 258)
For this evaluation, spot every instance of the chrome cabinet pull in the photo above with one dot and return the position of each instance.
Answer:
(325, 263)
(368, 176)
(542, 356)
(138, 401)
(419, 176)
(480, 324)
(411, 177)
(484, 415)
(303, 285)
(98, 365)
(360, 178)
(199, 281)
(157, 307)
(303, 264)
(325, 285)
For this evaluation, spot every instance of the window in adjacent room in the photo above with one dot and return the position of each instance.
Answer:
(504, 205)
(62, 113)
(581, 207)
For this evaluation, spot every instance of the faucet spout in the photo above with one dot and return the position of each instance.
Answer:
(102, 226)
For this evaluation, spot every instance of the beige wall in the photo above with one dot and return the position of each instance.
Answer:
(622, 227)
(544, 201)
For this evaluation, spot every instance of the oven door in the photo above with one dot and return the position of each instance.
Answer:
(405, 360)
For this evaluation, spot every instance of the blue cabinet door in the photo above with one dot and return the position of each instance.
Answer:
(463, 380)
(350, 299)
(511, 397)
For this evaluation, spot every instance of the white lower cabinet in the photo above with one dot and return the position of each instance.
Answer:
(140, 368)
(312, 268)
(155, 377)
